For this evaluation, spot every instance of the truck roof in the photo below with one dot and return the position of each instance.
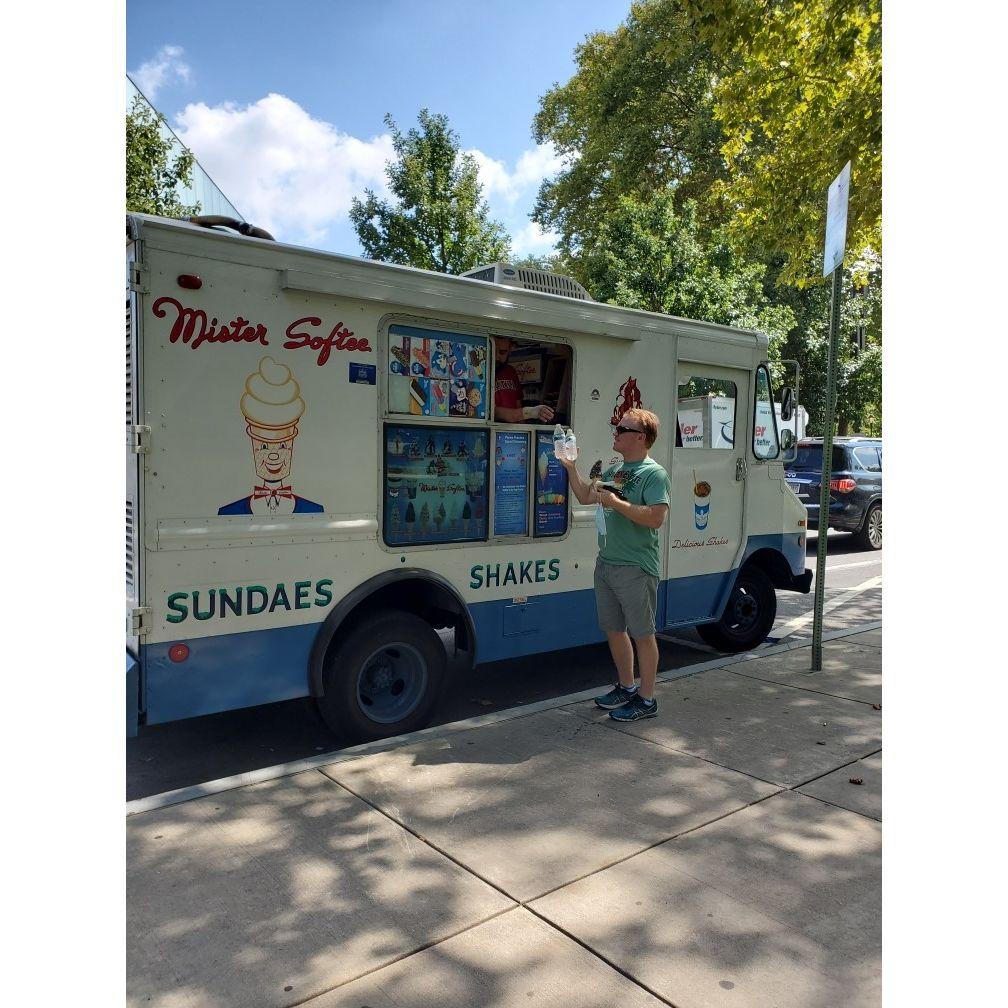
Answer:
(370, 279)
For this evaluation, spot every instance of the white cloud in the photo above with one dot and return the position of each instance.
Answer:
(286, 172)
(531, 168)
(296, 175)
(166, 67)
(532, 240)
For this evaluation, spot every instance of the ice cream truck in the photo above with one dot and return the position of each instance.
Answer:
(319, 492)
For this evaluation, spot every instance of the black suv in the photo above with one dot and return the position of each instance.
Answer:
(855, 499)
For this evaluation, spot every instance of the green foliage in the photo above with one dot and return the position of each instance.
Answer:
(747, 109)
(635, 117)
(438, 222)
(859, 373)
(648, 255)
(798, 94)
(151, 176)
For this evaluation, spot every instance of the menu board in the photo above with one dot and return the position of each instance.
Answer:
(550, 511)
(511, 483)
(437, 374)
(435, 485)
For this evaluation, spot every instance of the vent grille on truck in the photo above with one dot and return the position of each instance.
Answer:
(552, 283)
(529, 279)
(129, 362)
(129, 549)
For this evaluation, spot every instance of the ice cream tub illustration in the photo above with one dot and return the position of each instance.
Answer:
(701, 503)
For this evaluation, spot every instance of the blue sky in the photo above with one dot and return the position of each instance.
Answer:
(282, 103)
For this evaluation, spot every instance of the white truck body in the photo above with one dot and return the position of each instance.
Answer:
(240, 585)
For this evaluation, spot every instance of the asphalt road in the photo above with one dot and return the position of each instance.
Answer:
(166, 757)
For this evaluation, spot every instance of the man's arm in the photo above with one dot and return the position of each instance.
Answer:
(523, 414)
(648, 515)
(582, 489)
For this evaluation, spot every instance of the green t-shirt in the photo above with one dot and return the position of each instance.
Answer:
(626, 543)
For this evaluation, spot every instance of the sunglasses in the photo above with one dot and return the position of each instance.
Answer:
(627, 430)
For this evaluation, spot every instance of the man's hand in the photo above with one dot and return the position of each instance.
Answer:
(607, 498)
(545, 414)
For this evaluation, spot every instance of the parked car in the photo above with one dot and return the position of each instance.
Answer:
(855, 498)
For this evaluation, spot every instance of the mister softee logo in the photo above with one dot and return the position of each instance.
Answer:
(247, 600)
(193, 328)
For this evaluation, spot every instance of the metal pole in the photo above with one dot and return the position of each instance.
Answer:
(829, 421)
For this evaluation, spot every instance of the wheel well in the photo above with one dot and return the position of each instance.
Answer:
(432, 600)
(773, 564)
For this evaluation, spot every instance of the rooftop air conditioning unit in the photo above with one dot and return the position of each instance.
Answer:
(529, 279)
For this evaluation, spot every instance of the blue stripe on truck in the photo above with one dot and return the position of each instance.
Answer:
(263, 666)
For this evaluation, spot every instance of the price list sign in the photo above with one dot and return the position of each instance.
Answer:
(511, 482)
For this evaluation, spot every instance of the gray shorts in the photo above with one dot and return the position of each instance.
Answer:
(626, 599)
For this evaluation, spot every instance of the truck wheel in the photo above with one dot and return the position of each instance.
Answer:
(870, 535)
(383, 678)
(748, 616)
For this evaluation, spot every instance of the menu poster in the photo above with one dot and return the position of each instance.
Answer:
(433, 373)
(435, 485)
(550, 511)
(511, 483)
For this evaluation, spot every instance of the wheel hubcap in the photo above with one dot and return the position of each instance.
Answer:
(875, 528)
(391, 683)
(745, 610)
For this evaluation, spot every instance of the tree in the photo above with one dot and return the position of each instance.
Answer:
(648, 255)
(151, 176)
(636, 116)
(799, 93)
(859, 372)
(438, 222)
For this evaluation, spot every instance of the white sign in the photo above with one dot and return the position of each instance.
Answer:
(836, 221)
(691, 427)
(722, 422)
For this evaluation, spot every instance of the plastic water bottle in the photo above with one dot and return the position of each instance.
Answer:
(570, 446)
(558, 442)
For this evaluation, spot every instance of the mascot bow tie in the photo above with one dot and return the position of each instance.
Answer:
(273, 492)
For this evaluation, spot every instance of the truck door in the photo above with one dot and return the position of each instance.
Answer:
(705, 522)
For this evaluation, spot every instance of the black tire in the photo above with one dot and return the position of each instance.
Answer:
(382, 678)
(870, 534)
(748, 616)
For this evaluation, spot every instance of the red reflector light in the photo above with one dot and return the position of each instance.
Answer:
(842, 485)
(189, 281)
(178, 652)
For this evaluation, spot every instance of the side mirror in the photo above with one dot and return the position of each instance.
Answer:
(787, 439)
(787, 403)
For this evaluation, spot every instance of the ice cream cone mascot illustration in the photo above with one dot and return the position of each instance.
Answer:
(272, 406)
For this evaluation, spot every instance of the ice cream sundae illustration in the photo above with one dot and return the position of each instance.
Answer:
(272, 406)
(701, 502)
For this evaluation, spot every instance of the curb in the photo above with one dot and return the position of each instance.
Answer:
(167, 798)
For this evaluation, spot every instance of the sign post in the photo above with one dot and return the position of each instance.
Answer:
(833, 253)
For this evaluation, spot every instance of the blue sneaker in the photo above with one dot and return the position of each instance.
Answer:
(635, 709)
(616, 697)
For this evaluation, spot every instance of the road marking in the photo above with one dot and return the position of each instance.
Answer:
(860, 563)
(844, 596)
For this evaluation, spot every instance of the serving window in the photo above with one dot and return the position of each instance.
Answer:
(468, 440)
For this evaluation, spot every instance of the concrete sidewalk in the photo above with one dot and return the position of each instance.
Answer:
(715, 855)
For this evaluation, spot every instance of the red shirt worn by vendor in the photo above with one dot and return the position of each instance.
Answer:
(507, 388)
(509, 405)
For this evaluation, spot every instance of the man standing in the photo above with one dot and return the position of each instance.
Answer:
(509, 406)
(627, 567)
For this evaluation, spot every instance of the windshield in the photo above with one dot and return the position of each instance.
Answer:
(810, 458)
